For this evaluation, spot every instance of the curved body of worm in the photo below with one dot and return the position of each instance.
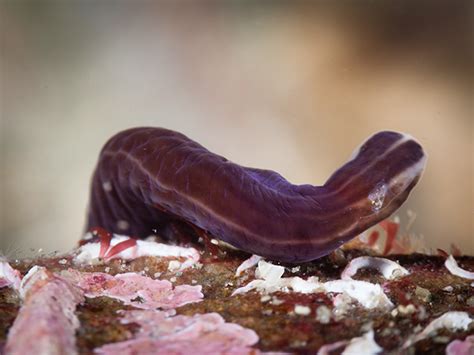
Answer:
(146, 177)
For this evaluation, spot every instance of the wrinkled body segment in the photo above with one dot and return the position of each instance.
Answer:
(146, 177)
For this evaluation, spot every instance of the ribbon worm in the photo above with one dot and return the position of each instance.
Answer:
(147, 177)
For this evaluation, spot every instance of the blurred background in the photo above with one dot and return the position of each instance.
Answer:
(288, 86)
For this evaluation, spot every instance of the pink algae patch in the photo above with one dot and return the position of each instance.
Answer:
(136, 290)
(162, 333)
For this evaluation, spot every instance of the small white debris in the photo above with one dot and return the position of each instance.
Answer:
(247, 264)
(454, 269)
(297, 284)
(302, 310)
(174, 265)
(214, 241)
(342, 304)
(277, 301)
(40, 250)
(269, 272)
(363, 345)
(389, 269)
(295, 269)
(267, 312)
(450, 320)
(270, 280)
(367, 294)
(157, 275)
(422, 314)
(198, 266)
(408, 309)
(194, 282)
(107, 269)
(323, 314)
(298, 343)
(448, 289)
(441, 339)
(173, 279)
(62, 261)
(265, 298)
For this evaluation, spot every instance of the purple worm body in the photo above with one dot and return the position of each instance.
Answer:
(145, 176)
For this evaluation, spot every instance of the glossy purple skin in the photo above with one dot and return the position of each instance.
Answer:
(146, 177)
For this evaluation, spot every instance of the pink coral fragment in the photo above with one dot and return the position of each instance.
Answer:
(136, 290)
(9, 276)
(46, 323)
(160, 333)
(459, 347)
